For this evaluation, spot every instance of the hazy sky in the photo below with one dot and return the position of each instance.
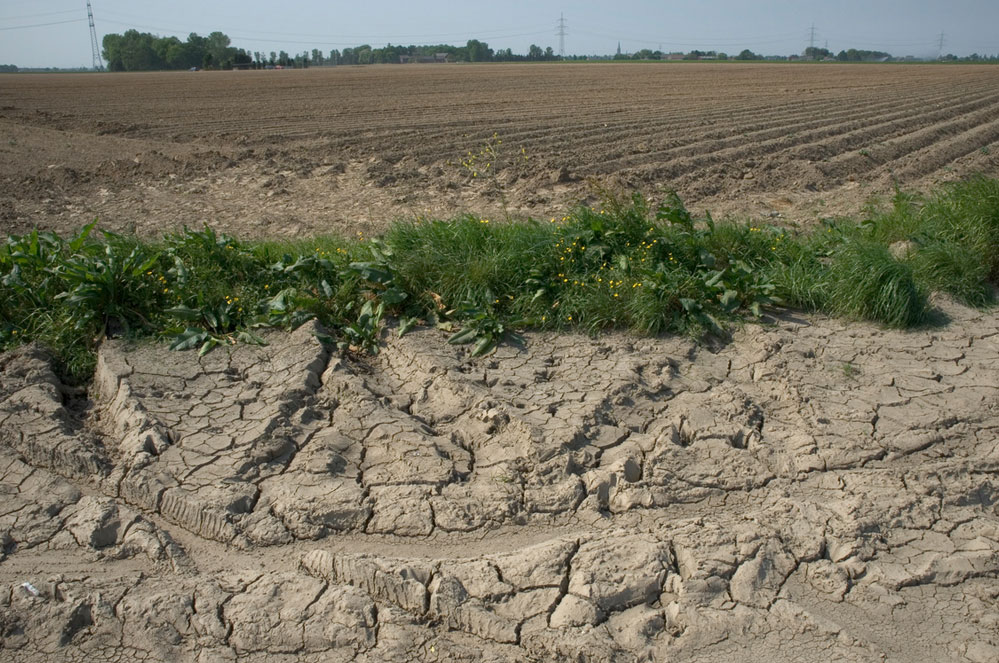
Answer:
(54, 33)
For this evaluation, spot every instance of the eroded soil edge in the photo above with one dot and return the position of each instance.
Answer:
(814, 490)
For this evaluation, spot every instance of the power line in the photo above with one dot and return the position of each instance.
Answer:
(491, 33)
(43, 25)
(95, 49)
(326, 40)
(24, 16)
(560, 31)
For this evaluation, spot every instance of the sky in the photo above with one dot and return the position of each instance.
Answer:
(55, 33)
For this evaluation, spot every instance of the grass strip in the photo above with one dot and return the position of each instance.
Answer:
(622, 264)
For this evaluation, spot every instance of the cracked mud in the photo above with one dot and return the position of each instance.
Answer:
(814, 490)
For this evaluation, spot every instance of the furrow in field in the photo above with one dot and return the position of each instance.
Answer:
(584, 136)
(708, 153)
(936, 156)
(897, 148)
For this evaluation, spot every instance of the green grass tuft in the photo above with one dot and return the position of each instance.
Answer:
(868, 283)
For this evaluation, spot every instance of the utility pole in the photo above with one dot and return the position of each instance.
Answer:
(95, 48)
(560, 31)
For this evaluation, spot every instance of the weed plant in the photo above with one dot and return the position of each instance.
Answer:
(622, 264)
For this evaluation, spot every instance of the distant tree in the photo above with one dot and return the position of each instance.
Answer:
(273, 59)
(334, 56)
(138, 52)
(112, 44)
(218, 46)
(748, 55)
(141, 51)
(242, 58)
(549, 53)
(478, 51)
(816, 53)
(8, 69)
(854, 55)
(535, 53)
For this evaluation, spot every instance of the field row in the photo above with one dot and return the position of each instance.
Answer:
(389, 139)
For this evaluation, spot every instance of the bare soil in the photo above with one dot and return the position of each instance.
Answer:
(281, 153)
(813, 490)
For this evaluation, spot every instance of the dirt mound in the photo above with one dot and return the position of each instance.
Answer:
(817, 489)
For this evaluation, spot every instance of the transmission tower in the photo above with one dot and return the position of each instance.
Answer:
(940, 47)
(560, 31)
(811, 38)
(94, 47)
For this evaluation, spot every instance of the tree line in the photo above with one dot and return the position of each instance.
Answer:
(142, 51)
(810, 53)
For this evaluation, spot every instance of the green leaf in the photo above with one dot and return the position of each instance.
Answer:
(730, 301)
(184, 313)
(325, 339)
(245, 336)
(485, 344)
(714, 325)
(208, 346)
(406, 325)
(466, 335)
(81, 238)
(188, 339)
(393, 296)
(372, 272)
(709, 221)
(716, 277)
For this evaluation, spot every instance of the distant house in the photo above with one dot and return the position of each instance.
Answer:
(675, 56)
(436, 58)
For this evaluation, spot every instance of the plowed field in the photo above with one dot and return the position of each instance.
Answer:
(812, 490)
(285, 152)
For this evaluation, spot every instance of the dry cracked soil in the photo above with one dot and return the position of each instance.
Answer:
(813, 490)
